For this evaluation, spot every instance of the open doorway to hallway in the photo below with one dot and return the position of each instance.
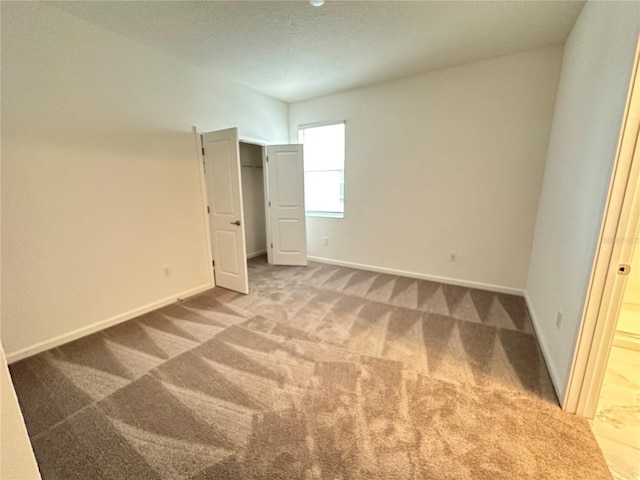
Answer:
(616, 424)
(605, 378)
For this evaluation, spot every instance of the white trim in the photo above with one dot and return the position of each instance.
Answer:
(101, 325)
(548, 359)
(321, 124)
(627, 340)
(420, 276)
(319, 214)
(205, 203)
(253, 141)
(267, 208)
(256, 254)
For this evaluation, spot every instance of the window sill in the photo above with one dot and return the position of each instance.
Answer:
(325, 214)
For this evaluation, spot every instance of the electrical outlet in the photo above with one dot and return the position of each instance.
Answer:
(453, 256)
(325, 241)
(166, 271)
(559, 316)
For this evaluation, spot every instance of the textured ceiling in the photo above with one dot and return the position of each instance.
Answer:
(293, 51)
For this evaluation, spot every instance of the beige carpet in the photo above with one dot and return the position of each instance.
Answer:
(320, 373)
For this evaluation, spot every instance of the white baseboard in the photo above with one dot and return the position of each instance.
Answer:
(256, 254)
(551, 367)
(420, 276)
(101, 325)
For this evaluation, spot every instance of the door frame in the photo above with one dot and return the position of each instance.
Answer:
(618, 235)
(263, 144)
(203, 190)
(197, 136)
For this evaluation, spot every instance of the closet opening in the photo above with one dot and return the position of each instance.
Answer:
(253, 196)
(252, 158)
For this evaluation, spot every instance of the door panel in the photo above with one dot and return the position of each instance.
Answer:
(286, 214)
(289, 234)
(287, 194)
(224, 191)
(222, 177)
(227, 241)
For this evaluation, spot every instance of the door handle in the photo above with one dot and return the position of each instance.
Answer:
(237, 222)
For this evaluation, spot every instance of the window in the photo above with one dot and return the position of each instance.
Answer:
(323, 169)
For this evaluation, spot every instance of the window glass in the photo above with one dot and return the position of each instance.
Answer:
(323, 169)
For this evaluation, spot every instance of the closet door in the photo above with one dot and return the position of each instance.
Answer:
(226, 218)
(285, 205)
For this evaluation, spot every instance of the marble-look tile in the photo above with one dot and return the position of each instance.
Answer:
(623, 461)
(616, 425)
(620, 423)
(624, 367)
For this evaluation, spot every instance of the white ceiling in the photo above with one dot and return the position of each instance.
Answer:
(294, 51)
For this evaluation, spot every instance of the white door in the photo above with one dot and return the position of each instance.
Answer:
(226, 219)
(286, 230)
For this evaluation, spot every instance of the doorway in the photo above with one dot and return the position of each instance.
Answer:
(254, 201)
(253, 198)
(600, 377)
(611, 269)
(616, 424)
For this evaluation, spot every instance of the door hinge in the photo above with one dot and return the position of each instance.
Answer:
(624, 269)
(213, 263)
(204, 165)
(208, 209)
(272, 245)
(269, 202)
(267, 159)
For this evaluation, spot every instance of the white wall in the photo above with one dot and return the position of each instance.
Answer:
(253, 199)
(100, 183)
(592, 92)
(445, 161)
(16, 456)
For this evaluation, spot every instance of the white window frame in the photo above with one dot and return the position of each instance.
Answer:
(322, 213)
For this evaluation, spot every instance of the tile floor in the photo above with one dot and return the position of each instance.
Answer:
(617, 422)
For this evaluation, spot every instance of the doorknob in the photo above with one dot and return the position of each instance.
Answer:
(237, 222)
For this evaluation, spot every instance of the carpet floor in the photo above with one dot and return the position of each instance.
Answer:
(321, 372)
